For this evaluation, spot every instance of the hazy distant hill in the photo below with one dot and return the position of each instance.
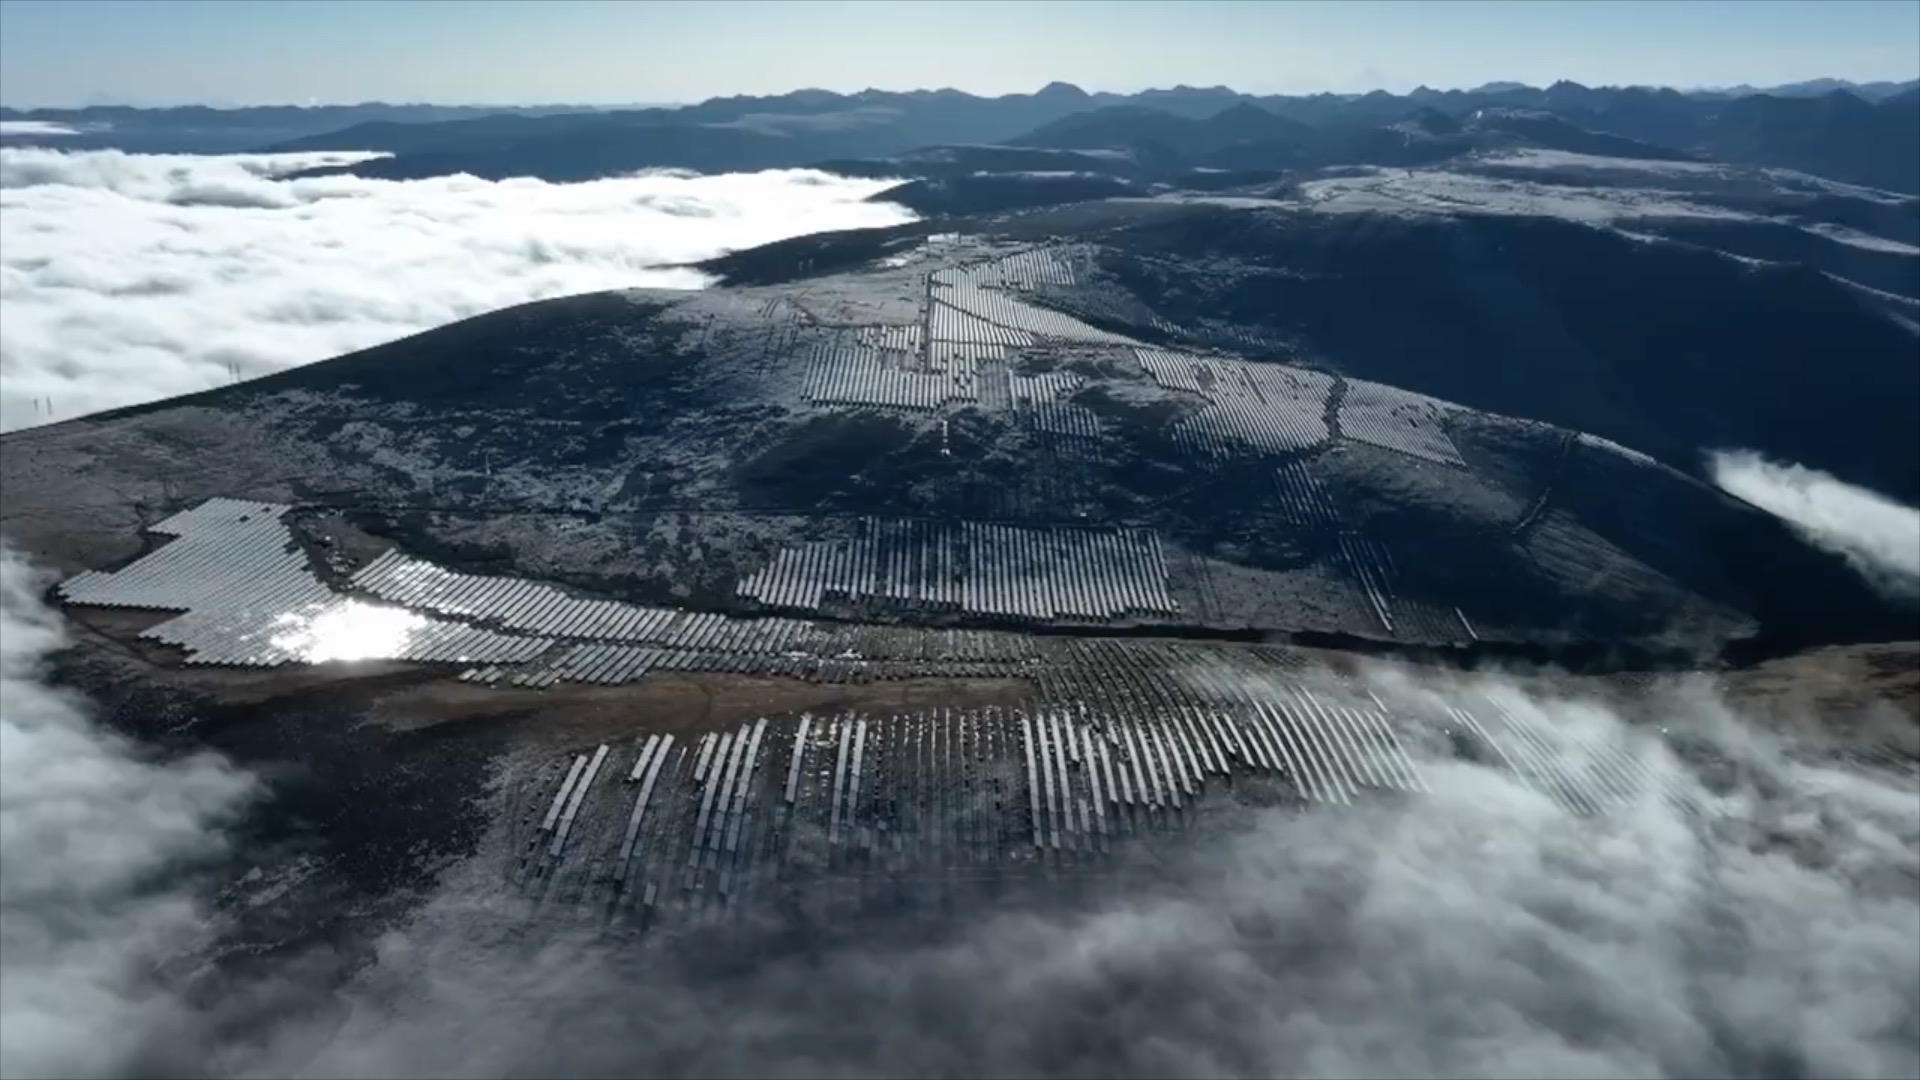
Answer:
(197, 129)
(1867, 134)
(1838, 135)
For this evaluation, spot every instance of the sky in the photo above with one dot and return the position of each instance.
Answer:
(233, 52)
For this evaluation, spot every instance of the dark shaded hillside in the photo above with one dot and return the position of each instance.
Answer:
(1543, 129)
(199, 129)
(723, 134)
(1836, 135)
(1665, 347)
(995, 193)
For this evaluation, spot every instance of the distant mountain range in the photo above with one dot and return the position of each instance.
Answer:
(1867, 134)
(202, 129)
(1872, 91)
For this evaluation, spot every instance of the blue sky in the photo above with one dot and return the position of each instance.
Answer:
(56, 52)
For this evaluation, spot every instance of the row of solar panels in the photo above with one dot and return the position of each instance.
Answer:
(1396, 419)
(962, 290)
(248, 597)
(1025, 270)
(537, 608)
(942, 787)
(1238, 425)
(948, 323)
(214, 562)
(1582, 770)
(867, 376)
(1061, 418)
(1223, 379)
(988, 569)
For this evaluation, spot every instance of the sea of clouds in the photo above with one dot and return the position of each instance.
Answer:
(126, 278)
(1763, 923)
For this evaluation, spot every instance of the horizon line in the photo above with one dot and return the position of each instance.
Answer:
(311, 103)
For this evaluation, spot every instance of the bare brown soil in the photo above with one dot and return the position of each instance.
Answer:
(1864, 691)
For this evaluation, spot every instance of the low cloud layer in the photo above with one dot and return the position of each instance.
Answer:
(35, 127)
(1767, 931)
(91, 827)
(1876, 535)
(132, 277)
(1755, 913)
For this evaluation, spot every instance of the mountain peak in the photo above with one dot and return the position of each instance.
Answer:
(1243, 109)
(1061, 90)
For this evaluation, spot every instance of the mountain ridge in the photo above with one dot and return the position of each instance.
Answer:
(1835, 132)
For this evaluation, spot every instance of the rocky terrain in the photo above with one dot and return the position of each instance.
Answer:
(1020, 560)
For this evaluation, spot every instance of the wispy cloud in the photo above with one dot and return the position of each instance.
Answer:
(90, 826)
(1878, 536)
(1481, 930)
(36, 127)
(1758, 917)
(131, 277)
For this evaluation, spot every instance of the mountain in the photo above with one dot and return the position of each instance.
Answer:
(1158, 137)
(1335, 415)
(717, 135)
(195, 129)
(916, 602)
(1836, 134)
(1860, 134)
(1536, 128)
(1167, 131)
(1871, 91)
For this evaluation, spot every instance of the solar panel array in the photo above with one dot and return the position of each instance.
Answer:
(963, 291)
(1044, 388)
(891, 339)
(864, 374)
(1304, 501)
(1583, 773)
(1331, 743)
(1037, 400)
(529, 607)
(248, 598)
(675, 822)
(964, 360)
(1370, 565)
(1252, 408)
(1568, 551)
(224, 551)
(1369, 561)
(1096, 574)
(1040, 266)
(1060, 418)
(337, 629)
(1395, 419)
(989, 291)
(1128, 740)
(946, 322)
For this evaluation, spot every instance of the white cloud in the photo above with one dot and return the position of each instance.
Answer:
(1766, 928)
(1482, 930)
(1876, 535)
(127, 277)
(87, 821)
(36, 127)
